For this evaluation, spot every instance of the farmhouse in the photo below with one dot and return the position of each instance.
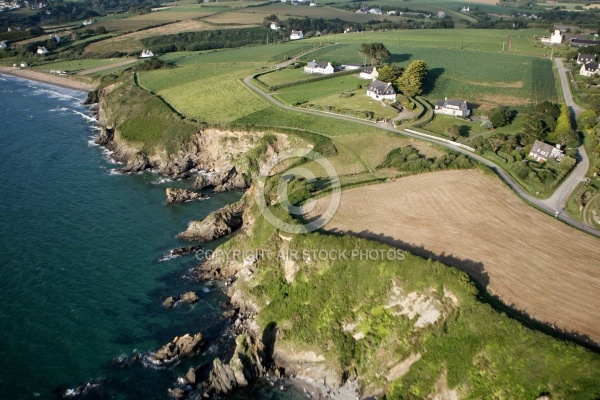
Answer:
(555, 38)
(87, 22)
(585, 58)
(295, 35)
(42, 50)
(381, 91)
(3, 46)
(146, 54)
(589, 69)
(453, 107)
(541, 151)
(369, 73)
(317, 67)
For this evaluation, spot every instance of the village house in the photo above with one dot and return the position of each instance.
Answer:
(457, 108)
(42, 50)
(376, 11)
(369, 73)
(381, 90)
(541, 151)
(589, 69)
(146, 54)
(583, 42)
(465, 9)
(363, 10)
(275, 26)
(295, 35)
(317, 67)
(585, 58)
(555, 38)
(87, 22)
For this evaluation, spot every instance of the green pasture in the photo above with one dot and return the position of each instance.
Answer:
(358, 101)
(315, 90)
(441, 123)
(284, 76)
(76, 65)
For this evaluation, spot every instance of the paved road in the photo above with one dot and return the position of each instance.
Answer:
(561, 195)
(541, 204)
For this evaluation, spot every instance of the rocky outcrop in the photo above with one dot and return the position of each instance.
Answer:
(221, 181)
(187, 298)
(136, 163)
(180, 347)
(175, 196)
(216, 225)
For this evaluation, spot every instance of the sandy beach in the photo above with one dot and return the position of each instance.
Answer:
(46, 78)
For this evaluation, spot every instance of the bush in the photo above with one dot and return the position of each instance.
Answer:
(501, 116)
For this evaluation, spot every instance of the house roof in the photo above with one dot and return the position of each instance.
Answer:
(582, 56)
(317, 64)
(368, 70)
(452, 103)
(592, 66)
(379, 87)
(296, 32)
(584, 42)
(545, 150)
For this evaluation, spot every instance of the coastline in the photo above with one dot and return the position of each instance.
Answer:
(46, 78)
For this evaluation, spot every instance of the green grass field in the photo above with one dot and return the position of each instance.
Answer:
(284, 76)
(441, 123)
(76, 65)
(359, 102)
(315, 90)
(212, 94)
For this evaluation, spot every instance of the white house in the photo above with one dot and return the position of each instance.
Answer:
(541, 151)
(42, 50)
(317, 67)
(589, 69)
(146, 54)
(555, 38)
(87, 22)
(376, 11)
(585, 58)
(465, 9)
(381, 90)
(369, 73)
(457, 108)
(313, 4)
(295, 35)
(275, 26)
(3, 46)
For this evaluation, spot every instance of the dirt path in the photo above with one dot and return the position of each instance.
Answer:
(90, 71)
(530, 260)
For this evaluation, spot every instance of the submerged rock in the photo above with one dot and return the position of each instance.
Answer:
(180, 347)
(175, 196)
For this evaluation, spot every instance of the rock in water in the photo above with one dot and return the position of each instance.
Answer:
(175, 196)
(180, 347)
(169, 302)
(218, 224)
(189, 297)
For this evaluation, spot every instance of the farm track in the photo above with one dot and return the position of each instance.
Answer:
(531, 261)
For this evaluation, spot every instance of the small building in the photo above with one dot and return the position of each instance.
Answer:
(456, 108)
(381, 90)
(584, 42)
(541, 151)
(24, 65)
(465, 9)
(589, 69)
(363, 10)
(317, 67)
(555, 38)
(393, 12)
(87, 22)
(376, 11)
(146, 54)
(313, 4)
(369, 73)
(3, 46)
(585, 58)
(295, 35)
(350, 67)
(275, 26)
(42, 50)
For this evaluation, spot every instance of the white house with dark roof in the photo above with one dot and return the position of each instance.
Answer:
(275, 26)
(381, 90)
(42, 50)
(555, 38)
(318, 67)
(295, 35)
(457, 108)
(589, 69)
(541, 151)
(585, 58)
(376, 11)
(146, 54)
(369, 73)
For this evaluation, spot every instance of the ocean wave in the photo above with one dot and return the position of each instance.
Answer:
(161, 180)
(86, 117)
(92, 142)
(54, 94)
(116, 171)
(168, 257)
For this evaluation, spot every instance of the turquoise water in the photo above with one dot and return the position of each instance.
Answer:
(80, 281)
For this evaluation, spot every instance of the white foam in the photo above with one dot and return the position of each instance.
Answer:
(115, 171)
(92, 143)
(168, 257)
(160, 181)
(86, 117)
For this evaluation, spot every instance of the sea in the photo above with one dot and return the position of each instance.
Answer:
(81, 276)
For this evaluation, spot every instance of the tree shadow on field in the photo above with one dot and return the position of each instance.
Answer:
(479, 276)
(398, 58)
(431, 78)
